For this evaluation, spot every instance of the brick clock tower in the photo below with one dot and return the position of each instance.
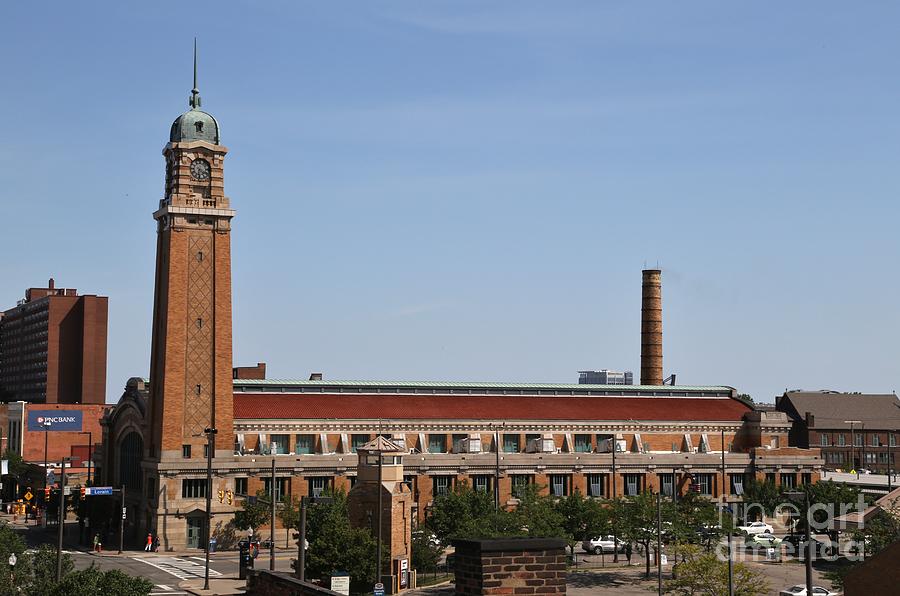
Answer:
(190, 361)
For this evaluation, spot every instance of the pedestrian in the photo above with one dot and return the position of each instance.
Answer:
(96, 543)
(156, 544)
(149, 546)
(628, 552)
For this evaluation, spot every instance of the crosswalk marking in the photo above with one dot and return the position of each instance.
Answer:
(180, 568)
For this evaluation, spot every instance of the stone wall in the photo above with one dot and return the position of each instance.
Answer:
(510, 566)
(274, 583)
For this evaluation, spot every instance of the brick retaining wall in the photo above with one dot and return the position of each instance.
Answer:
(274, 583)
(510, 566)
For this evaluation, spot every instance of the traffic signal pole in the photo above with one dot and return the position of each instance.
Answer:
(62, 519)
(122, 521)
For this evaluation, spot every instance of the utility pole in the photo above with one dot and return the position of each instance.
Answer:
(658, 545)
(301, 543)
(853, 445)
(496, 468)
(891, 441)
(380, 511)
(724, 504)
(614, 491)
(122, 521)
(62, 517)
(47, 425)
(272, 522)
(210, 447)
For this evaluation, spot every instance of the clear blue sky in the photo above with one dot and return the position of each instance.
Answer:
(469, 190)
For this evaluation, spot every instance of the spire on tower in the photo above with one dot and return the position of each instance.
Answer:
(194, 102)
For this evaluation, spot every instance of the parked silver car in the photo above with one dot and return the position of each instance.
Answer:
(603, 544)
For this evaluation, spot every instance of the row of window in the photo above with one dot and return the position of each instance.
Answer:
(305, 444)
(840, 440)
(559, 485)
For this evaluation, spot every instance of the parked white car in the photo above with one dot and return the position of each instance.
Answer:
(756, 527)
(800, 590)
(604, 544)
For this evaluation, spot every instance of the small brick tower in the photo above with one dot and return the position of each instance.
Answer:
(381, 483)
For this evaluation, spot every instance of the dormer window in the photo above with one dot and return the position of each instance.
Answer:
(199, 126)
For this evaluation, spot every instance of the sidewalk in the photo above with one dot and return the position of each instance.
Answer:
(216, 586)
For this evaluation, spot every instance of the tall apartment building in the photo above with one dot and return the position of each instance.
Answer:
(53, 348)
(605, 377)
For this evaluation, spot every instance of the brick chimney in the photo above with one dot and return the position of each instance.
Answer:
(651, 328)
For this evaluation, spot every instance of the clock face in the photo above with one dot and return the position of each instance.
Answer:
(200, 169)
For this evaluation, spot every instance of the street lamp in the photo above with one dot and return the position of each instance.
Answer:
(853, 445)
(797, 495)
(46, 424)
(62, 515)
(90, 457)
(210, 446)
(301, 538)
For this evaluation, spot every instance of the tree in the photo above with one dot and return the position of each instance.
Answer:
(43, 565)
(426, 552)
(16, 465)
(12, 543)
(289, 515)
(583, 518)
(467, 513)
(703, 574)
(254, 513)
(763, 496)
(92, 581)
(637, 518)
(538, 515)
(334, 545)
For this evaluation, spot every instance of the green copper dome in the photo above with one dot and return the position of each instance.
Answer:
(195, 124)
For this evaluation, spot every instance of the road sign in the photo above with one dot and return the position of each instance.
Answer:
(99, 490)
(378, 590)
(28, 496)
(51, 477)
(67, 491)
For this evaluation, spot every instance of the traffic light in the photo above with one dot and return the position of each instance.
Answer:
(230, 497)
(46, 493)
(83, 492)
(221, 495)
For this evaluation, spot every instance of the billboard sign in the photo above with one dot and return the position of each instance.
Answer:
(60, 420)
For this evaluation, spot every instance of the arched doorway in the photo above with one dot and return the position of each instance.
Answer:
(131, 450)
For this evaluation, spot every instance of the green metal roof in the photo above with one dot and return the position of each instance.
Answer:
(474, 385)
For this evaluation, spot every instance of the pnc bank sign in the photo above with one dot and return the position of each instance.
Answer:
(59, 420)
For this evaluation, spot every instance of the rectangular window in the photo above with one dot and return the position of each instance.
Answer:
(788, 480)
(481, 483)
(806, 478)
(842, 440)
(706, 483)
(357, 441)
(193, 488)
(858, 439)
(305, 444)
(632, 484)
(870, 457)
(206, 451)
(665, 484)
(519, 482)
(559, 485)
(595, 485)
(318, 485)
(441, 485)
(185, 451)
(582, 443)
(883, 458)
(823, 440)
(458, 443)
(892, 440)
(529, 438)
(282, 487)
(437, 443)
(511, 443)
(876, 441)
(279, 444)
(737, 484)
(240, 486)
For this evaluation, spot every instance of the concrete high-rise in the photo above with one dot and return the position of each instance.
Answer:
(53, 348)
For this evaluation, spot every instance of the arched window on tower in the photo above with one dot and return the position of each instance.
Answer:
(131, 451)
